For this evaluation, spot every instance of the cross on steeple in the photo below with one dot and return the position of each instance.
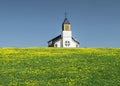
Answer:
(65, 15)
(66, 24)
(66, 20)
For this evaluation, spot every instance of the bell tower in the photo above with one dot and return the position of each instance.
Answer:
(66, 33)
(66, 24)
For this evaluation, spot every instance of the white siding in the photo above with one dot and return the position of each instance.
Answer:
(58, 43)
(67, 36)
(74, 44)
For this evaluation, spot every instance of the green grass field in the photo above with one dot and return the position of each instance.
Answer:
(59, 67)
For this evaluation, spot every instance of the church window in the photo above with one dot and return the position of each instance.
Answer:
(67, 43)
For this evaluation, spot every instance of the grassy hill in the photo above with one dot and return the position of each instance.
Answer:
(59, 67)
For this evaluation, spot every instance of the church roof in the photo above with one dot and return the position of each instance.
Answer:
(75, 40)
(66, 21)
(55, 39)
(59, 37)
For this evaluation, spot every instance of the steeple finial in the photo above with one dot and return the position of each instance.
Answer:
(66, 20)
(65, 15)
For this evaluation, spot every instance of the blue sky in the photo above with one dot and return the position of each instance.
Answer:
(95, 23)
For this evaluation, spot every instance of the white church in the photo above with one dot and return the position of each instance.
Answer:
(65, 39)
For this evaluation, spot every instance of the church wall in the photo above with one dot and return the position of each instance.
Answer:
(67, 36)
(58, 43)
(74, 44)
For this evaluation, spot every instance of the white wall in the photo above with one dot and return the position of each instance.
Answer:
(58, 43)
(67, 36)
(74, 44)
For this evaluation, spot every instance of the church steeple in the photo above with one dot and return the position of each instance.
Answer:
(66, 24)
(65, 39)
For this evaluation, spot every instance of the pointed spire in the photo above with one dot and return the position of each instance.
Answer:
(66, 20)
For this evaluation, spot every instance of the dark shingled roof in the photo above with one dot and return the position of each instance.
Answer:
(59, 37)
(56, 38)
(75, 40)
(66, 21)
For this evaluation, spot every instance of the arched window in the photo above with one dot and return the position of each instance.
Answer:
(67, 43)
